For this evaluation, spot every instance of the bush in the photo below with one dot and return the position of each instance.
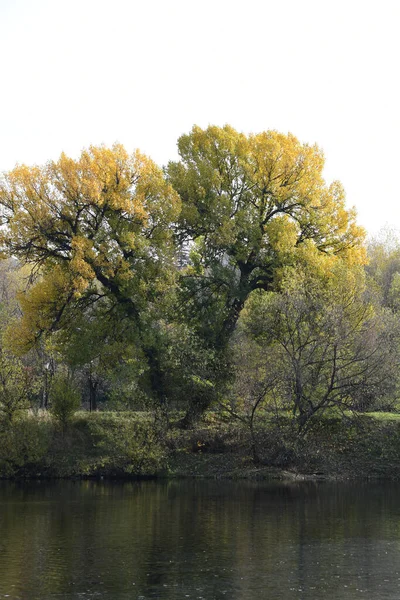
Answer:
(126, 445)
(23, 444)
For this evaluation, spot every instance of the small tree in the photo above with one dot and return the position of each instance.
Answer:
(334, 347)
(65, 400)
(17, 384)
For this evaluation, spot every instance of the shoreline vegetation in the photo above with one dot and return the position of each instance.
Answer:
(221, 316)
(112, 445)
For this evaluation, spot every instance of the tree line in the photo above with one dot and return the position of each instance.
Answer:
(233, 277)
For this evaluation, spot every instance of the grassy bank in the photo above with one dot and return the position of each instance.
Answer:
(137, 444)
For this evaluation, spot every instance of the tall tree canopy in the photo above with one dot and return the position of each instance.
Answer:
(254, 204)
(95, 230)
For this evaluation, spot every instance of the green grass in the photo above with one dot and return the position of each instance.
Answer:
(384, 416)
(127, 444)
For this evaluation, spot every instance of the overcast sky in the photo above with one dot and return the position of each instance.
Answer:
(81, 72)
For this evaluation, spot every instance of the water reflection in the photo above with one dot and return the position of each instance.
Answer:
(196, 539)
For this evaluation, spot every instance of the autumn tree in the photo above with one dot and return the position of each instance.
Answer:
(95, 231)
(331, 344)
(251, 205)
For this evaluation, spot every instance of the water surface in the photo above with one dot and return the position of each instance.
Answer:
(199, 539)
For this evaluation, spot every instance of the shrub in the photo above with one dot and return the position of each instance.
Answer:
(126, 445)
(23, 444)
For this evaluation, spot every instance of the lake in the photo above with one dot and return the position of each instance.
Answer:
(199, 539)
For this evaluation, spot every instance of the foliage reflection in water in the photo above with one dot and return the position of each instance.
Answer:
(199, 539)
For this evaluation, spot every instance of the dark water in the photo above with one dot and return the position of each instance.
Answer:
(199, 540)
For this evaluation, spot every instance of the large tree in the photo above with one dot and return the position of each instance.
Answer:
(251, 205)
(96, 232)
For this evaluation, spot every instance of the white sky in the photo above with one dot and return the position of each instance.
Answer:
(81, 72)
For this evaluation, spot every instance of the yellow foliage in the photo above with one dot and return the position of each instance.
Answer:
(101, 221)
(262, 195)
(42, 304)
(282, 234)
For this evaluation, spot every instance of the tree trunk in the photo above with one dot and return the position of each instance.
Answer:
(199, 402)
(93, 385)
(156, 378)
(197, 406)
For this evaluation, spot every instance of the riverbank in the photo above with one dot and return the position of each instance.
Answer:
(127, 445)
